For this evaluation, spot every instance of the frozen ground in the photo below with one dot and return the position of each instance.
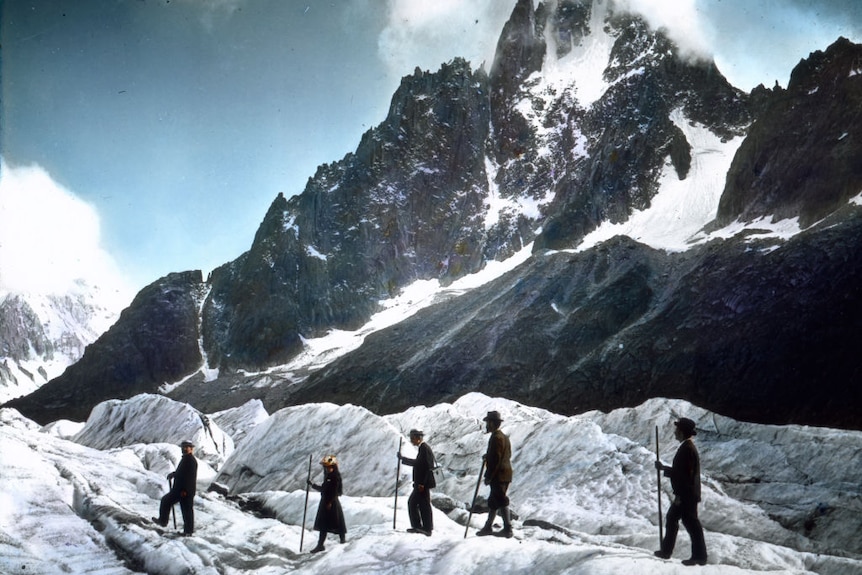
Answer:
(777, 499)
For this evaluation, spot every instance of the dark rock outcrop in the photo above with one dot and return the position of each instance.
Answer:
(403, 207)
(738, 327)
(802, 156)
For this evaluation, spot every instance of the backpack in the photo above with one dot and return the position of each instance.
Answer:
(436, 471)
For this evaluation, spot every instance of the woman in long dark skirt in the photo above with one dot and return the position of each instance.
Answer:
(330, 517)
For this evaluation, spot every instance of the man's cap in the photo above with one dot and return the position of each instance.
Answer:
(187, 444)
(493, 416)
(686, 425)
(417, 433)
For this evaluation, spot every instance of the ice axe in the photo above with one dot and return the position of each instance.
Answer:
(475, 494)
(173, 506)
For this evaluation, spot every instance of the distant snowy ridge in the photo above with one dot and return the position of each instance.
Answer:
(41, 334)
(584, 491)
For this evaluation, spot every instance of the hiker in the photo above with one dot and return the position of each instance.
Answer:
(685, 480)
(419, 503)
(498, 475)
(182, 490)
(330, 517)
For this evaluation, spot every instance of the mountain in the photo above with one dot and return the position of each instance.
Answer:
(43, 334)
(589, 125)
(79, 499)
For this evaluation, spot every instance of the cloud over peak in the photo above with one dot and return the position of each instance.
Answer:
(49, 238)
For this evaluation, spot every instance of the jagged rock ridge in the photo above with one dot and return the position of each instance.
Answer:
(469, 166)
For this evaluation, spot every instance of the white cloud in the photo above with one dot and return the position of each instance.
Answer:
(428, 33)
(49, 238)
(680, 19)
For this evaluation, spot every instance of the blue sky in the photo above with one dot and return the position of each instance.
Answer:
(175, 123)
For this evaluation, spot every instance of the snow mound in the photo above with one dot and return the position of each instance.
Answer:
(238, 421)
(149, 418)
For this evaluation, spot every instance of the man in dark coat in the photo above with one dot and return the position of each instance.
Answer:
(419, 503)
(498, 475)
(685, 480)
(182, 490)
(330, 516)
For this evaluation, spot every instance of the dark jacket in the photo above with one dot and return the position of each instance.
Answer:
(423, 466)
(330, 517)
(186, 476)
(498, 458)
(685, 473)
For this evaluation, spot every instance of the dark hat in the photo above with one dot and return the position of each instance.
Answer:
(417, 433)
(686, 425)
(493, 416)
(187, 444)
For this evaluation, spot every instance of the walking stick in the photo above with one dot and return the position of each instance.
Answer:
(173, 506)
(305, 507)
(475, 493)
(397, 476)
(658, 480)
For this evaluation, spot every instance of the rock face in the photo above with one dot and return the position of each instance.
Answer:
(759, 333)
(470, 166)
(405, 206)
(801, 156)
(628, 133)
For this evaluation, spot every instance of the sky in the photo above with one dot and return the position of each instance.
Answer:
(141, 137)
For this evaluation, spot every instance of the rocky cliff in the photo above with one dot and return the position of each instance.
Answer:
(547, 147)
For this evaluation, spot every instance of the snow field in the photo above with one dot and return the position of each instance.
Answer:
(584, 493)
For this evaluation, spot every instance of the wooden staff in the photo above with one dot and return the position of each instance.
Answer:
(397, 476)
(305, 507)
(658, 480)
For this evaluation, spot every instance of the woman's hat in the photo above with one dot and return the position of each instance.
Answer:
(329, 461)
(417, 433)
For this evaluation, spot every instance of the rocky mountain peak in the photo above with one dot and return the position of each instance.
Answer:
(800, 158)
(546, 148)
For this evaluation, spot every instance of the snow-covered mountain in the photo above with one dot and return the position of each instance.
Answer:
(684, 239)
(777, 499)
(42, 334)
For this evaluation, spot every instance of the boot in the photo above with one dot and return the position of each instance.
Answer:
(320, 542)
(488, 529)
(507, 523)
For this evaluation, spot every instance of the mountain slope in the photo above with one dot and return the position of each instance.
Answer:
(588, 124)
(745, 327)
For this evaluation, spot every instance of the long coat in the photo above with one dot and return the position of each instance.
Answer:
(498, 458)
(685, 473)
(186, 476)
(330, 517)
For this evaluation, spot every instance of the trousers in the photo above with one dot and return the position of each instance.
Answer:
(419, 509)
(687, 513)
